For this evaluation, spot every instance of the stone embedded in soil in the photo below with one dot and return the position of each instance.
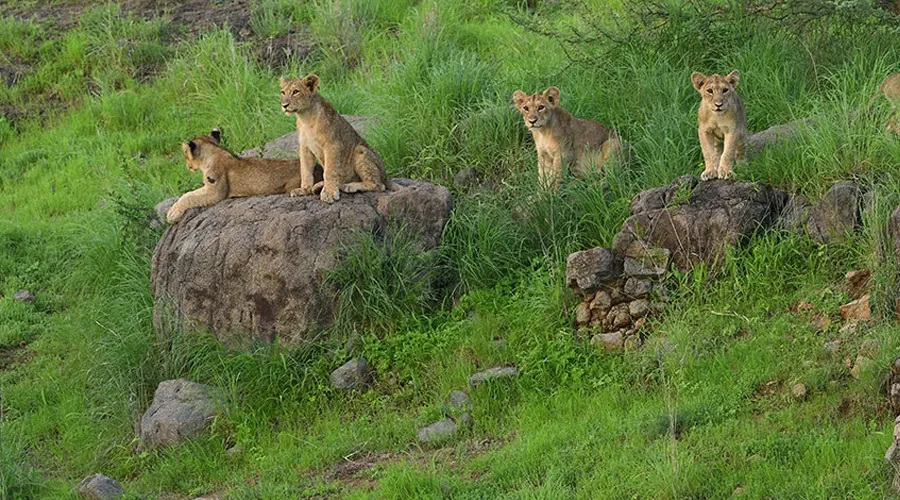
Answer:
(588, 270)
(583, 313)
(601, 303)
(609, 341)
(23, 296)
(639, 308)
(459, 400)
(858, 309)
(859, 365)
(99, 487)
(637, 288)
(181, 409)
(353, 374)
(645, 261)
(437, 432)
(858, 283)
(617, 318)
(799, 391)
(491, 374)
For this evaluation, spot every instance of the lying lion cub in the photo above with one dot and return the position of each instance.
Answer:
(563, 140)
(350, 164)
(227, 176)
(722, 123)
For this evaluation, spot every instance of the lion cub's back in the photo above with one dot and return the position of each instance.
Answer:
(253, 177)
(589, 134)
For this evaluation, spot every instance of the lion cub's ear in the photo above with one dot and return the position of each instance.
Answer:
(552, 95)
(519, 97)
(216, 135)
(733, 78)
(312, 83)
(282, 81)
(189, 149)
(697, 80)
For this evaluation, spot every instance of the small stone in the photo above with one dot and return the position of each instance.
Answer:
(858, 283)
(609, 341)
(583, 313)
(859, 366)
(858, 309)
(833, 346)
(459, 400)
(601, 303)
(23, 296)
(616, 295)
(356, 373)
(637, 288)
(181, 409)
(436, 432)
(617, 318)
(645, 261)
(639, 323)
(639, 308)
(99, 487)
(586, 271)
(799, 391)
(491, 374)
(465, 419)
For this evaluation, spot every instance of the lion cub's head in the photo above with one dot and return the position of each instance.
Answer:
(297, 94)
(718, 91)
(536, 109)
(199, 149)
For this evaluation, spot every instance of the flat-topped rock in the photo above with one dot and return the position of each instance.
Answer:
(253, 269)
(495, 373)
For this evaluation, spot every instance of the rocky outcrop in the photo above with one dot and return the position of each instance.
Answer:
(832, 218)
(697, 222)
(285, 147)
(181, 410)
(253, 269)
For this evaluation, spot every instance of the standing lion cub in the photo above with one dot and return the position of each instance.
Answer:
(350, 164)
(563, 140)
(227, 176)
(722, 123)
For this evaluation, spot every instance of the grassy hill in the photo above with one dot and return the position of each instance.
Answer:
(99, 96)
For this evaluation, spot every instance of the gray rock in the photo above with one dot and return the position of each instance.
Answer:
(775, 134)
(465, 179)
(638, 288)
(285, 147)
(588, 270)
(639, 308)
(609, 341)
(636, 269)
(836, 215)
(23, 296)
(354, 374)
(495, 373)
(181, 410)
(251, 270)
(661, 197)
(892, 455)
(459, 400)
(99, 487)
(437, 432)
(718, 214)
(161, 209)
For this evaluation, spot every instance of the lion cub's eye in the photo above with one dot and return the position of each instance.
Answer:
(541, 107)
(525, 108)
(725, 91)
(709, 91)
(295, 92)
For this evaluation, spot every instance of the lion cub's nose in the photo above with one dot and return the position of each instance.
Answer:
(532, 121)
(284, 106)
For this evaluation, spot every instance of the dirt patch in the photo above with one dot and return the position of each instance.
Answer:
(278, 52)
(16, 355)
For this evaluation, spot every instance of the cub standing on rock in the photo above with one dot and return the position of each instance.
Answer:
(563, 140)
(227, 176)
(350, 164)
(722, 123)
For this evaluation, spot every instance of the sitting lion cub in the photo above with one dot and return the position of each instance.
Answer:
(722, 123)
(563, 140)
(890, 88)
(350, 164)
(227, 176)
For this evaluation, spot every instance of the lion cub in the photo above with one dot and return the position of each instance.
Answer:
(227, 176)
(350, 164)
(890, 88)
(722, 123)
(563, 140)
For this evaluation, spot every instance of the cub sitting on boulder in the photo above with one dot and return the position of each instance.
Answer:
(350, 164)
(563, 140)
(722, 123)
(227, 176)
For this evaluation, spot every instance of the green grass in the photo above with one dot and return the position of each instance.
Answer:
(686, 416)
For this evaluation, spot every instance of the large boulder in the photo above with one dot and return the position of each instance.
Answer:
(285, 147)
(253, 269)
(698, 225)
(832, 218)
(180, 410)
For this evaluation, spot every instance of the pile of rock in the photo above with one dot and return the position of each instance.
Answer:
(618, 292)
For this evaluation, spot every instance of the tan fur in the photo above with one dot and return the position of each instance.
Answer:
(890, 88)
(350, 164)
(722, 123)
(227, 176)
(563, 140)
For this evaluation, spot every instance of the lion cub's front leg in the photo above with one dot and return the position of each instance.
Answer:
(202, 197)
(332, 167)
(732, 152)
(550, 169)
(710, 146)
(307, 166)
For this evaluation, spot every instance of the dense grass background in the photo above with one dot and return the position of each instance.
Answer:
(689, 415)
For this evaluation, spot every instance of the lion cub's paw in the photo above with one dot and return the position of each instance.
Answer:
(330, 196)
(173, 215)
(725, 174)
(709, 175)
(301, 192)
